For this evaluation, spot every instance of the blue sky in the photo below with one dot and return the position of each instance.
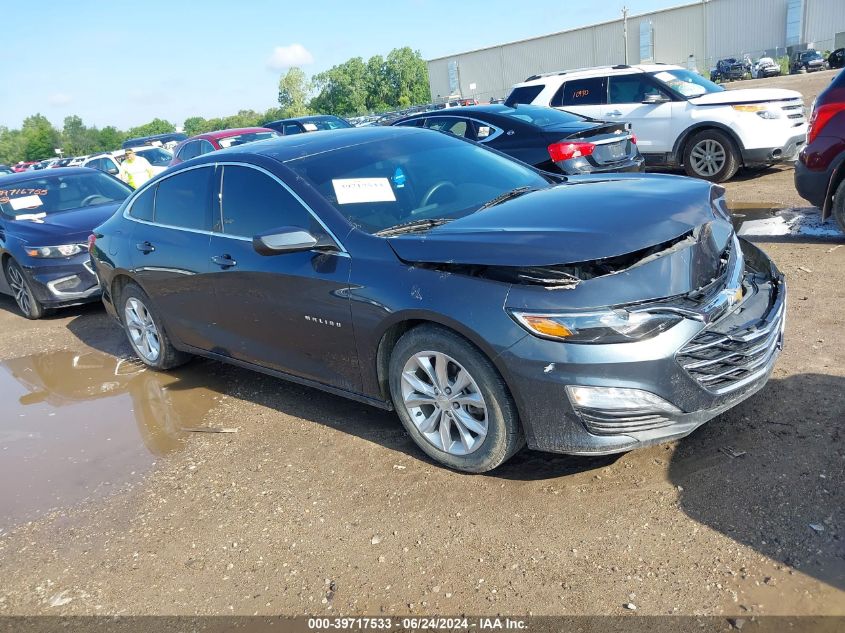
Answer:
(125, 63)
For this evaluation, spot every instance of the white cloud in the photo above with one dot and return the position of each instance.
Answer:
(285, 57)
(59, 99)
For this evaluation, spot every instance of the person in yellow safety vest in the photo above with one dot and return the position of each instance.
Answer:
(135, 170)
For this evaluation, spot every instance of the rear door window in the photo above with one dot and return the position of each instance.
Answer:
(452, 125)
(581, 92)
(142, 206)
(524, 94)
(190, 150)
(183, 200)
(631, 89)
(292, 128)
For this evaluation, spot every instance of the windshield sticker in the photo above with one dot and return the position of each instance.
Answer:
(356, 190)
(399, 178)
(25, 202)
(664, 76)
(309, 127)
(227, 142)
(483, 131)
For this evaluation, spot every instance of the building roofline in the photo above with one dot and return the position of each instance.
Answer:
(577, 28)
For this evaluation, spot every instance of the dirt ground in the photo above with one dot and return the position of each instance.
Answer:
(314, 504)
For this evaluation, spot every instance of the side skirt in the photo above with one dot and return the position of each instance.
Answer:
(374, 402)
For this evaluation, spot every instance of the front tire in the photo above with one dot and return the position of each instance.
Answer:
(711, 155)
(452, 401)
(29, 306)
(145, 331)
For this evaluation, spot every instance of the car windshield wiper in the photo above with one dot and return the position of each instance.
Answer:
(508, 195)
(411, 227)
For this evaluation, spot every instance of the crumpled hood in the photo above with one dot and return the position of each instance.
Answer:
(746, 95)
(64, 227)
(583, 220)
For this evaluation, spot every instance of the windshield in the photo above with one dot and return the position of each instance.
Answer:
(542, 117)
(811, 55)
(331, 123)
(420, 175)
(247, 137)
(686, 83)
(156, 156)
(37, 197)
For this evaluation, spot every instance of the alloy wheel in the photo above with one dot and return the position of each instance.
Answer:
(143, 332)
(19, 288)
(708, 157)
(444, 402)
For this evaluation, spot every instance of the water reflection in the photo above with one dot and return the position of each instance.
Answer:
(75, 425)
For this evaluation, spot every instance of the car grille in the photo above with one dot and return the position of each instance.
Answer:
(608, 423)
(794, 111)
(722, 363)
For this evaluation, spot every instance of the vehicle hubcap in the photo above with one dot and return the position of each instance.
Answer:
(444, 402)
(708, 157)
(142, 330)
(19, 289)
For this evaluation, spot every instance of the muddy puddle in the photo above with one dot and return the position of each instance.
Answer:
(760, 219)
(75, 426)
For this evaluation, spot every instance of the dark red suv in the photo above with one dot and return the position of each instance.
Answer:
(820, 170)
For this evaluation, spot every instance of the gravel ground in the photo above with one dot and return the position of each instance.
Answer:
(320, 505)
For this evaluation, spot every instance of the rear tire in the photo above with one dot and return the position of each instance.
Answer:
(145, 330)
(838, 206)
(711, 155)
(452, 401)
(29, 306)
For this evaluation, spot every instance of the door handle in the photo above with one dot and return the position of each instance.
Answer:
(224, 261)
(145, 247)
(614, 113)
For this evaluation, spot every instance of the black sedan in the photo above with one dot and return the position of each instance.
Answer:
(45, 221)
(488, 303)
(312, 123)
(548, 139)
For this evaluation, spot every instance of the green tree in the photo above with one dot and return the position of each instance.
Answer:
(294, 88)
(378, 89)
(11, 146)
(110, 138)
(195, 125)
(156, 126)
(40, 139)
(78, 139)
(407, 77)
(342, 89)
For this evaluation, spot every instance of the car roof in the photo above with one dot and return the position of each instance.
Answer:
(306, 118)
(581, 73)
(286, 148)
(11, 179)
(218, 134)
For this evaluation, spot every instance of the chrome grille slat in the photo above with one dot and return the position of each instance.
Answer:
(722, 362)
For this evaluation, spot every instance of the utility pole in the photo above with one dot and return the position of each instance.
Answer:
(625, 31)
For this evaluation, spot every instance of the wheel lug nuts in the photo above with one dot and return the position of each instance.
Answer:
(455, 405)
(448, 391)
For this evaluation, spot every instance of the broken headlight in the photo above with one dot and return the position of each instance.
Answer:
(607, 326)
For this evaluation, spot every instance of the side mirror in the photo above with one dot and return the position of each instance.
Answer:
(112, 170)
(654, 99)
(288, 239)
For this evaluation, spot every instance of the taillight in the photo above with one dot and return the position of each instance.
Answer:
(92, 239)
(821, 116)
(633, 138)
(565, 151)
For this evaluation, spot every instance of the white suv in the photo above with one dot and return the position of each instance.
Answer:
(678, 116)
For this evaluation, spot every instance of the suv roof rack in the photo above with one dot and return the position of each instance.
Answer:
(620, 66)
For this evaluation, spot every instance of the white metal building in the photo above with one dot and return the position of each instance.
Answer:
(695, 35)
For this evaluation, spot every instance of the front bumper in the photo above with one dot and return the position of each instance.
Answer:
(64, 283)
(700, 368)
(769, 155)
